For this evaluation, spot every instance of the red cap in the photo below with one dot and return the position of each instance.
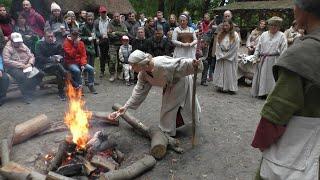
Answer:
(102, 9)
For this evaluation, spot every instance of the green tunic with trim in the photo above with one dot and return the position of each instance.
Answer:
(297, 90)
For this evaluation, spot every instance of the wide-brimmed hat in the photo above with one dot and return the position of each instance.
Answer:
(275, 20)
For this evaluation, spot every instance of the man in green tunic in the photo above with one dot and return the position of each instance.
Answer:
(288, 133)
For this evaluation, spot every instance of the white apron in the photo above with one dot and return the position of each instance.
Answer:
(296, 155)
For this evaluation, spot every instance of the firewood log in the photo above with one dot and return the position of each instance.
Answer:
(88, 167)
(159, 140)
(13, 170)
(131, 171)
(30, 128)
(71, 169)
(5, 152)
(54, 176)
(118, 156)
(60, 155)
(105, 162)
(103, 117)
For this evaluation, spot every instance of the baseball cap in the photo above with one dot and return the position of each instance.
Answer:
(16, 37)
(102, 9)
(125, 38)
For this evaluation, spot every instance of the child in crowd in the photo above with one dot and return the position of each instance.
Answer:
(124, 53)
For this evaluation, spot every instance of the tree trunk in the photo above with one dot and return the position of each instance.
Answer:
(161, 5)
(206, 6)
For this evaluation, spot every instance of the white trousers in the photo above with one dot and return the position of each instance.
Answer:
(127, 71)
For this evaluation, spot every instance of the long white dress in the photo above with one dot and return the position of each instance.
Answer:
(180, 51)
(225, 73)
(174, 75)
(269, 48)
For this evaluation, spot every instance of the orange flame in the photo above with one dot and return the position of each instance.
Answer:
(77, 118)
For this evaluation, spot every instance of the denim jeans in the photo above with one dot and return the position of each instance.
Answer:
(77, 74)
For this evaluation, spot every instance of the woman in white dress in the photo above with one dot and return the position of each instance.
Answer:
(185, 40)
(225, 74)
(270, 46)
(174, 76)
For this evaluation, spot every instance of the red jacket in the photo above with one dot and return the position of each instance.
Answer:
(74, 55)
(35, 21)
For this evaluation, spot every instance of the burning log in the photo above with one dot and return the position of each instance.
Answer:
(103, 116)
(100, 142)
(131, 171)
(30, 128)
(70, 169)
(159, 140)
(106, 163)
(54, 176)
(60, 155)
(13, 170)
(88, 167)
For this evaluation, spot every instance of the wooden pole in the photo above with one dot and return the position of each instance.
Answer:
(5, 152)
(194, 89)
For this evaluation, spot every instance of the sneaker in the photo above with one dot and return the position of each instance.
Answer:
(62, 96)
(111, 79)
(96, 83)
(92, 90)
(27, 99)
(101, 75)
(203, 84)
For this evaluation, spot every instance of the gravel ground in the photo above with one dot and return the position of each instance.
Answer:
(223, 139)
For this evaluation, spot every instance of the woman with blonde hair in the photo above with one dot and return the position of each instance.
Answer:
(225, 74)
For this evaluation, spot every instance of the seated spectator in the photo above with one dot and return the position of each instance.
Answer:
(55, 20)
(76, 60)
(158, 45)
(19, 63)
(4, 83)
(73, 19)
(124, 53)
(34, 19)
(82, 18)
(29, 37)
(49, 57)
(6, 23)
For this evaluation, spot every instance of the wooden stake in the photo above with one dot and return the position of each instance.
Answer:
(194, 89)
(5, 152)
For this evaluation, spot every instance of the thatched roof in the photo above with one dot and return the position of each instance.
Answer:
(257, 5)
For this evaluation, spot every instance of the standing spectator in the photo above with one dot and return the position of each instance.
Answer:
(270, 46)
(124, 53)
(206, 60)
(6, 24)
(55, 20)
(149, 28)
(227, 15)
(116, 30)
(76, 60)
(4, 79)
(205, 24)
(82, 18)
(74, 22)
(49, 58)
(190, 23)
(254, 36)
(29, 37)
(170, 43)
(292, 33)
(173, 22)
(34, 19)
(102, 23)
(18, 59)
(142, 19)
(161, 21)
(140, 42)
(225, 74)
(132, 25)
(89, 35)
(185, 39)
(122, 18)
(158, 45)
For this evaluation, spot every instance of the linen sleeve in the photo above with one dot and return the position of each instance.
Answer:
(184, 67)
(175, 38)
(286, 98)
(139, 93)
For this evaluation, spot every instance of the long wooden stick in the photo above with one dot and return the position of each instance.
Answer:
(194, 89)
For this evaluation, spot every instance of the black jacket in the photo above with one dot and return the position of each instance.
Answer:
(158, 48)
(44, 50)
(141, 44)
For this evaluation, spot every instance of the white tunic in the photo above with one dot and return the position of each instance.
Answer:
(225, 73)
(180, 51)
(269, 48)
(174, 75)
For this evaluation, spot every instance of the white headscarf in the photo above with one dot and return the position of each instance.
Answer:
(139, 57)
